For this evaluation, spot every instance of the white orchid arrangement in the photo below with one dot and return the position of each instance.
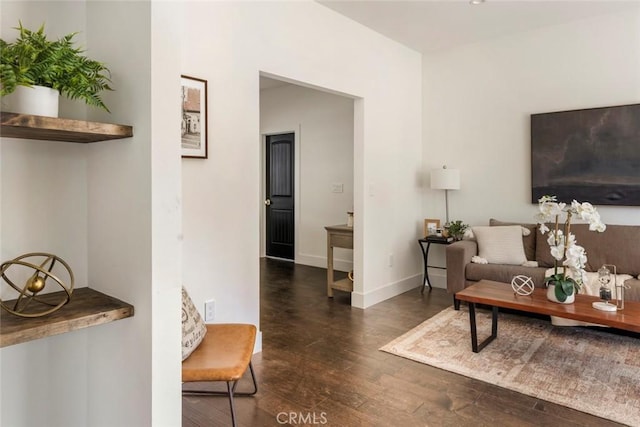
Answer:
(563, 244)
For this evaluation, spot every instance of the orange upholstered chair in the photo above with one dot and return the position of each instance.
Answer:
(223, 355)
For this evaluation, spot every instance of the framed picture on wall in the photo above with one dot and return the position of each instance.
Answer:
(194, 117)
(590, 154)
(431, 226)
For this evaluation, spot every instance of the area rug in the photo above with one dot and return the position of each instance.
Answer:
(593, 371)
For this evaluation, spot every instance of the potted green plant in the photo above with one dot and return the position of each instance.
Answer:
(33, 61)
(456, 229)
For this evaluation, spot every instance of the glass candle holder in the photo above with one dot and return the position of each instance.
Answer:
(604, 277)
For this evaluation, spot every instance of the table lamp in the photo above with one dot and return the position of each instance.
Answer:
(445, 179)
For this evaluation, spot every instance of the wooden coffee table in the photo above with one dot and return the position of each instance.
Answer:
(500, 295)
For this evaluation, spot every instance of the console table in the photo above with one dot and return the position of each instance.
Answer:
(338, 236)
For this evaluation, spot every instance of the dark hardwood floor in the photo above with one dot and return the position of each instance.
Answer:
(320, 365)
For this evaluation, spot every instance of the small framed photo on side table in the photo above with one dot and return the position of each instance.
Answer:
(431, 227)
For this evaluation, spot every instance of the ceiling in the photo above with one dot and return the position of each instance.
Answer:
(267, 83)
(429, 25)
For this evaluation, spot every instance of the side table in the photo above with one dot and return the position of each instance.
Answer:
(437, 240)
(339, 236)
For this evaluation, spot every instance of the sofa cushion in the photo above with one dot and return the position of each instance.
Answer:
(500, 244)
(503, 273)
(529, 242)
(618, 245)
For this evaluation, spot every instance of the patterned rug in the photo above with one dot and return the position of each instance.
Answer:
(599, 374)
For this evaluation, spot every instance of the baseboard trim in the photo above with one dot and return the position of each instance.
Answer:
(321, 262)
(360, 300)
(279, 259)
(257, 348)
(438, 278)
(366, 300)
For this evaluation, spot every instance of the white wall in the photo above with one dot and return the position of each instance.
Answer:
(44, 208)
(166, 208)
(45, 179)
(478, 100)
(323, 126)
(304, 42)
(134, 217)
(112, 210)
(120, 220)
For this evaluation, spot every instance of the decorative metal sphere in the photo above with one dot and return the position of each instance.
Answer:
(38, 266)
(522, 285)
(35, 284)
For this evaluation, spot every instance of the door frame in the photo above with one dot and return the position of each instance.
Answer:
(296, 192)
(358, 295)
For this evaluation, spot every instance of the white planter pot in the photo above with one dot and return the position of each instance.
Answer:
(36, 100)
(551, 296)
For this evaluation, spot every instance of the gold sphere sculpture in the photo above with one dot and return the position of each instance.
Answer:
(38, 267)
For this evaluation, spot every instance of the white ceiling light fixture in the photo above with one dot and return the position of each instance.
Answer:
(476, 2)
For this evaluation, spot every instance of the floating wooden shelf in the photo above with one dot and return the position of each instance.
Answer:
(87, 307)
(27, 126)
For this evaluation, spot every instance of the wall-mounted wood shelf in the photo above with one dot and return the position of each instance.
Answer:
(56, 129)
(87, 308)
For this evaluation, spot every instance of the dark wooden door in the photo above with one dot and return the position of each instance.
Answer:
(279, 201)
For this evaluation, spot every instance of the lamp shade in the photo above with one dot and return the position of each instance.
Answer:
(445, 179)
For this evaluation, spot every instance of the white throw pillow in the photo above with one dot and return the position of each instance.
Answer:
(500, 244)
(193, 327)
(468, 235)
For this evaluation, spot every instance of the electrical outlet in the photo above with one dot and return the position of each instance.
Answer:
(390, 260)
(209, 310)
(336, 187)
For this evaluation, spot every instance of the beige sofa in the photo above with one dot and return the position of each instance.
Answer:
(618, 245)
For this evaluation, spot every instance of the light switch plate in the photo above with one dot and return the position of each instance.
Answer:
(209, 310)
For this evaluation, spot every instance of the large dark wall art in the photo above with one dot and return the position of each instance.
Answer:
(589, 155)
